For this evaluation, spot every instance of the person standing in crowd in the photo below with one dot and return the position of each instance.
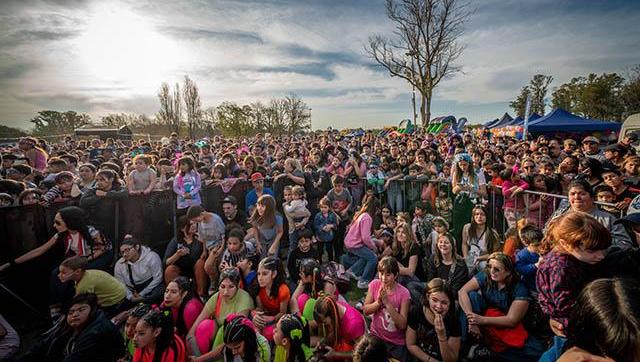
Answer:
(468, 187)
(257, 180)
(186, 185)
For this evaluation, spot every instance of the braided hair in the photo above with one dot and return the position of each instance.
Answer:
(296, 330)
(157, 318)
(311, 267)
(327, 307)
(238, 328)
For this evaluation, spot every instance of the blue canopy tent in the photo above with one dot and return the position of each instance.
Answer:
(561, 120)
(506, 118)
(491, 123)
(519, 121)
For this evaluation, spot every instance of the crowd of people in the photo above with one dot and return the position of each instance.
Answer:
(367, 248)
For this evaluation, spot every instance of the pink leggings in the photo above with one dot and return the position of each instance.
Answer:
(205, 334)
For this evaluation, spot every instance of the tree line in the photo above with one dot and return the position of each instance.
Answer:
(181, 111)
(608, 96)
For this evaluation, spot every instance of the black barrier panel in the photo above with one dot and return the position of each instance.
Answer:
(23, 228)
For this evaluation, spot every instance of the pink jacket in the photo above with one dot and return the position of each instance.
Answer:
(359, 233)
(510, 202)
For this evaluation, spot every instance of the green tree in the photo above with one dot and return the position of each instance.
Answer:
(520, 103)
(631, 93)
(539, 86)
(55, 123)
(11, 132)
(233, 120)
(594, 96)
(537, 89)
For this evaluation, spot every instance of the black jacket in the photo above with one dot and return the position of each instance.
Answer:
(100, 341)
(102, 210)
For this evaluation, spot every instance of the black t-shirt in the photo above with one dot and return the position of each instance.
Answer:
(296, 257)
(404, 260)
(240, 219)
(426, 337)
(456, 278)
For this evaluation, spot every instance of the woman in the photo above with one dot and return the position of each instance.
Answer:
(155, 339)
(183, 252)
(310, 287)
(87, 173)
(101, 202)
(84, 335)
(603, 325)
(361, 258)
(205, 339)
(407, 251)
(266, 227)
(179, 299)
(446, 264)
(433, 333)
(631, 168)
(468, 187)
(354, 172)
(242, 342)
(339, 325)
(140, 270)
(494, 303)
(478, 240)
(73, 237)
(581, 199)
(36, 156)
(590, 169)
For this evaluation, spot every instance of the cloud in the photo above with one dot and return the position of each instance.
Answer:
(246, 51)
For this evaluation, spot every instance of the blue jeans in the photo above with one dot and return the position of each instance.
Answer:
(362, 262)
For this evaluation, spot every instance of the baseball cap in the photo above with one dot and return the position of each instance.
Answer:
(230, 199)
(633, 136)
(256, 176)
(616, 147)
(590, 139)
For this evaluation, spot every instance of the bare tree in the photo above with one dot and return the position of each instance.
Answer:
(192, 107)
(298, 114)
(167, 113)
(424, 46)
(177, 109)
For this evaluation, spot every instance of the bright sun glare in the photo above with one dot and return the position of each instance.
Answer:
(119, 46)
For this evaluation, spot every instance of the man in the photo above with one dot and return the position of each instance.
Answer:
(591, 148)
(231, 212)
(629, 140)
(257, 180)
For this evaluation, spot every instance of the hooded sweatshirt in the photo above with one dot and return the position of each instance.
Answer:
(147, 267)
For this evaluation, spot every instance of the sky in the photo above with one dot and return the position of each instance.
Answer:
(103, 56)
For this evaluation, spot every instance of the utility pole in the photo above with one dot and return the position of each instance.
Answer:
(413, 86)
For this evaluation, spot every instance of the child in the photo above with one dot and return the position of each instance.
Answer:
(186, 185)
(440, 227)
(444, 204)
(394, 187)
(155, 339)
(141, 180)
(165, 174)
(242, 342)
(335, 168)
(422, 223)
(341, 202)
(604, 193)
(305, 250)
(64, 188)
(248, 267)
(273, 297)
(297, 215)
(236, 249)
(574, 240)
(540, 206)
(129, 331)
(325, 224)
(527, 258)
(291, 338)
(376, 178)
(388, 304)
(110, 291)
(513, 188)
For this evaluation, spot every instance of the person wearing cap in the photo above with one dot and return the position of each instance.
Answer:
(615, 154)
(591, 148)
(231, 214)
(8, 159)
(257, 180)
(629, 140)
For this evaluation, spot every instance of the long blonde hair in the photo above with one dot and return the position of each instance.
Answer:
(397, 247)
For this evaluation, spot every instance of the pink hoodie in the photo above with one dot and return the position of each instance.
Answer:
(359, 233)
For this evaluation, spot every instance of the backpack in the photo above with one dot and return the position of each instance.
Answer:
(336, 274)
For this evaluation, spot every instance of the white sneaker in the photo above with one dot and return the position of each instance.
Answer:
(351, 275)
(363, 284)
